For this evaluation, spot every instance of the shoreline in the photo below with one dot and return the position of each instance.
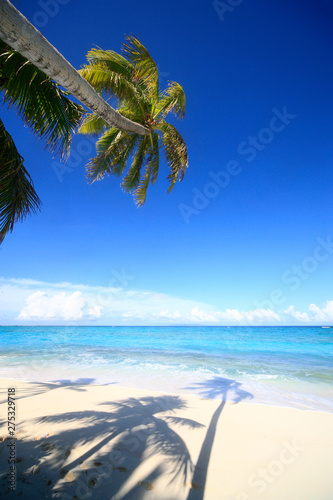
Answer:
(90, 439)
(179, 392)
(160, 391)
(292, 371)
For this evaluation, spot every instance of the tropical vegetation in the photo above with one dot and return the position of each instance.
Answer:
(49, 113)
(132, 77)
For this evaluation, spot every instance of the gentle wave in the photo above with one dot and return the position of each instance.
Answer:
(284, 366)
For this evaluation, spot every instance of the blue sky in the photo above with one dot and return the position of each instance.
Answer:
(246, 238)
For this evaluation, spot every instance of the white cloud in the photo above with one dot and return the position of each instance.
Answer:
(199, 316)
(132, 314)
(29, 301)
(229, 317)
(63, 306)
(297, 314)
(324, 314)
(314, 316)
(169, 315)
(256, 316)
(95, 311)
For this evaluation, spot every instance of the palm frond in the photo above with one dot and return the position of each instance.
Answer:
(133, 78)
(120, 160)
(102, 163)
(133, 112)
(150, 173)
(114, 75)
(132, 178)
(173, 101)
(146, 67)
(140, 192)
(114, 149)
(175, 153)
(109, 82)
(17, 195)
(155, 157)
(110, 61)
(93, 125)
(40, 102)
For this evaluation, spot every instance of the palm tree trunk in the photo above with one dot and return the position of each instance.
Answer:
(22, 36)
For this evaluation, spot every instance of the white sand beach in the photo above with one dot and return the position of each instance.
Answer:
(111, 442)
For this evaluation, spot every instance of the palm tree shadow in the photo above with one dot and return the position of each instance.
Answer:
(115, 444)
(215, 388)
(37, 388)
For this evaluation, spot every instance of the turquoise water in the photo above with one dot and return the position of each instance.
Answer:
(285, 366)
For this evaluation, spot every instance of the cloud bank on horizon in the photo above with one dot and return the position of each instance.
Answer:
(35, 302)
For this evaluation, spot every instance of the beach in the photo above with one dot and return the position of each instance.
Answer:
(170, 413)
(113, 442)
(290, 367)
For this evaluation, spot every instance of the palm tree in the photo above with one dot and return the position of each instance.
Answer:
(133, 79)
(46, 109)
(30, 69)
(44, 64)
(22, 36)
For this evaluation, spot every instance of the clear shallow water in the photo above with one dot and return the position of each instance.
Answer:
(285, 366)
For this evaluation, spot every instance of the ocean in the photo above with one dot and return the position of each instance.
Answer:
(282, 366)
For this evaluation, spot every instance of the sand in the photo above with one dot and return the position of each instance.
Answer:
(111, 442)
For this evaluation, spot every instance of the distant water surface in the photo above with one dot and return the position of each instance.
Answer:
(284, 366)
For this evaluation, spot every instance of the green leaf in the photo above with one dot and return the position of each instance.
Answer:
(144, 64)
(150, 173)
(114, 149)
(133, 79)
(93, 125)
(175, 153)
(40, 102)
(105, 148)
(173, 100)
(110, 61)
(17, 195)
(132, 179)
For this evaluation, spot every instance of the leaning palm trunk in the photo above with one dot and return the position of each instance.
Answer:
(22, 36)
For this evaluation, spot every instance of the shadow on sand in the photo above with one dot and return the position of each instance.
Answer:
(112, 447)
(119, 451)
(215, 388)
(37, 388)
